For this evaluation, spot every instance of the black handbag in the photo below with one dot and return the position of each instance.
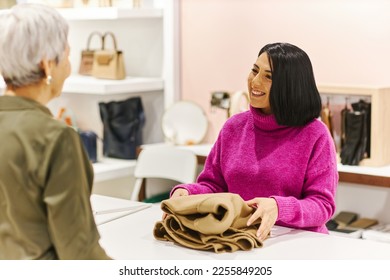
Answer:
(357, 133)
(122, 127)
(89, 139)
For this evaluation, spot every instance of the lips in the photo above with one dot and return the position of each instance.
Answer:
(257, 93)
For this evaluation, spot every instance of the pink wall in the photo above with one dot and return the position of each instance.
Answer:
(348, 42)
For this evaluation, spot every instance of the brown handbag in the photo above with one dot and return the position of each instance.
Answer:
(87, 55)
(109, 63)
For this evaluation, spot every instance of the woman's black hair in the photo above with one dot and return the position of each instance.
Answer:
(294, 97)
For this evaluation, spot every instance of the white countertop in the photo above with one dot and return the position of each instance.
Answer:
(131, 237)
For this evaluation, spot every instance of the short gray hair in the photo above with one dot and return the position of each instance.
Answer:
(28, 34)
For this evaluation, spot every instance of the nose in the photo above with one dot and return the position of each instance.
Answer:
(256, 81)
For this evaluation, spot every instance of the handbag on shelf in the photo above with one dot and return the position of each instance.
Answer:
(123, 122)
(89, 139)
(108, 63)
(87, 55)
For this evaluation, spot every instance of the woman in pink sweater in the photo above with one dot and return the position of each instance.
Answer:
(277, 156)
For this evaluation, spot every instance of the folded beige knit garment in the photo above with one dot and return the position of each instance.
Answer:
(215, 222)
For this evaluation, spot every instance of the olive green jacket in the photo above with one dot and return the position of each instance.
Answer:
(45, 187)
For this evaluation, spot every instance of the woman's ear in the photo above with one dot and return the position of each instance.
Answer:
(47, 66)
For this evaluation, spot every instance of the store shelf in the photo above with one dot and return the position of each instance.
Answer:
(94, 86)
(107, 13)
(112, 168)
(361, 90)
(364, 175)
(380, 131)
(2, 84)
(383, 171)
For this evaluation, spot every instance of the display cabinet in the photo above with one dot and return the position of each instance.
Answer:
(380, 118)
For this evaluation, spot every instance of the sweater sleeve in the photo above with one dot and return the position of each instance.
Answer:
(210, 180)
(67, 198)
(316, 204)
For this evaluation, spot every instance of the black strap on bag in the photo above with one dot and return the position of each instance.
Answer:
(122, 127)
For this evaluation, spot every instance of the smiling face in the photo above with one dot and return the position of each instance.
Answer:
(259, 84)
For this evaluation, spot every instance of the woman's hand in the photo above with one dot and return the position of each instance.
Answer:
(179, 192)
(267, 210)
(176, 193)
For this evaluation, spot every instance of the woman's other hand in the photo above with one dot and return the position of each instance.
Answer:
(176, 193)
(267, 211)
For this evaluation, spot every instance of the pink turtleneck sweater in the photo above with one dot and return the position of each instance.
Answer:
(255, 157)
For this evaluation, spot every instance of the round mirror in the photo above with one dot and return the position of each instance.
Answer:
(239, 102)
(184, 123)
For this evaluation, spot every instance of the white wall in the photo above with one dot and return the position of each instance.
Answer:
(348, 42)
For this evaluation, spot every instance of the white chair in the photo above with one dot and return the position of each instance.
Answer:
(164, 162)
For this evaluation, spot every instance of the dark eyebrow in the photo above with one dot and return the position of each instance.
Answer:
(257, 67)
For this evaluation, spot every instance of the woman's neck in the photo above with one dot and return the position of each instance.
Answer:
(39, 92)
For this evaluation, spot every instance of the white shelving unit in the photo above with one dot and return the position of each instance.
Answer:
(94, 86)
(149, 40)
(110, 13)
(110, 169)
(148, 37)
(102, 13)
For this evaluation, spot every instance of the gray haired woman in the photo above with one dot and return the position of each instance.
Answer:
(45, 175)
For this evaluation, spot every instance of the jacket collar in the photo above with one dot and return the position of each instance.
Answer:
(12, 103)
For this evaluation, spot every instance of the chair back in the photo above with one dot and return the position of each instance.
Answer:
(164, 162)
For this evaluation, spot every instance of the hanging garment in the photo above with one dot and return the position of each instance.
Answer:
(210, 222)
(357, 134)
(343, 113)
(327, 118)
(366, 107)
(355, 138)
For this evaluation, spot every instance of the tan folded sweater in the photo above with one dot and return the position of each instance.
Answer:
(215, 222)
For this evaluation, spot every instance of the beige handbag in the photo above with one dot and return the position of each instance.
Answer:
(87, 55)
(109, 63)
